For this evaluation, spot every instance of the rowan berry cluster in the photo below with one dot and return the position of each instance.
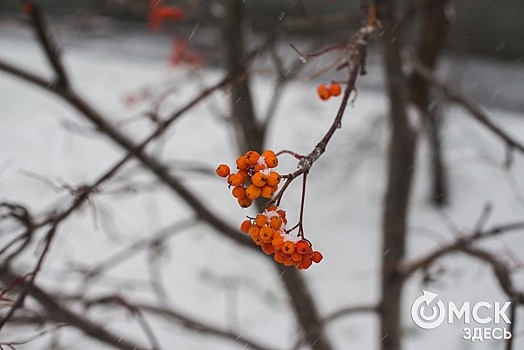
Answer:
(268, 231)
(255, 177)
(325, 92)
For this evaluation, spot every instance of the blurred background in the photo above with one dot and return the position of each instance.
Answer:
(494, 28)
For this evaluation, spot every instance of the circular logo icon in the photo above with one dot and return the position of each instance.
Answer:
(426, 313)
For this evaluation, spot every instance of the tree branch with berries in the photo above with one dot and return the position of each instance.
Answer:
(256, 178)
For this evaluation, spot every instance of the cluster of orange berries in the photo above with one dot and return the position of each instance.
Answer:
(325, 92)
(255, 177)
(268, 231)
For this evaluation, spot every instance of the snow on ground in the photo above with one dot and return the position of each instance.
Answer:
(42, 140)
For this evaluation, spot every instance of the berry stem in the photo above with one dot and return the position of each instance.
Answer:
(294, 154)
(302, 204)
(293, 228)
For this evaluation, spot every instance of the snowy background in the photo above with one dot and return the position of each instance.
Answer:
(44, 142)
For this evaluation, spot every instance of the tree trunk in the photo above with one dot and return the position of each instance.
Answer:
(400, 173)
(432, 36)
(247, 132)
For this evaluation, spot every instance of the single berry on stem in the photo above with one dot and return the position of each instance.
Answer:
(323, 92)
(223, 170)
(335, 89)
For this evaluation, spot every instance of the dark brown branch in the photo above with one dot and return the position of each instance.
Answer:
(408, 269)
(455, 96)
(59, 313)
(149, 162)
(46, 39)
(138, 314)
(503, 275)
(32, 338)
(348, 311)
(357, 49)
(249, 133)
(21, 298)
(501, 271)
(184, 320)
(401, 160)
(431, 40)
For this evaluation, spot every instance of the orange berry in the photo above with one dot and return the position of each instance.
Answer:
(268, 248)
(268, 191)
(317, 257)
(273, 179)
(266, 234)
(275, 222)
(258, 179)
(277, 242)
(303, 247)
(223, 170)
(235, 180)
(282, 214)
(253, 191)
(335, 89)
(242, 162)
(245, 174)
(245, 202)
(238, 192)
(288, 262)
(254, 232)
(288, 247)
(271, 161)
(279, 257)
(296, 257)
(271, 208)
(252, 157)
(245, 226)
(267, 153)
(305, 263)
(259, 167)
(261, 220)
(323, 92)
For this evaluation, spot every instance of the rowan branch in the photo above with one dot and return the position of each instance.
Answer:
(356, 48)
(455, 96)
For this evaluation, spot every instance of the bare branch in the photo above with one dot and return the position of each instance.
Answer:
(61, 314)
(455, 96)
(501, 271)
(46, 39)
(349, 311)
(466, 241)
(183, 320)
